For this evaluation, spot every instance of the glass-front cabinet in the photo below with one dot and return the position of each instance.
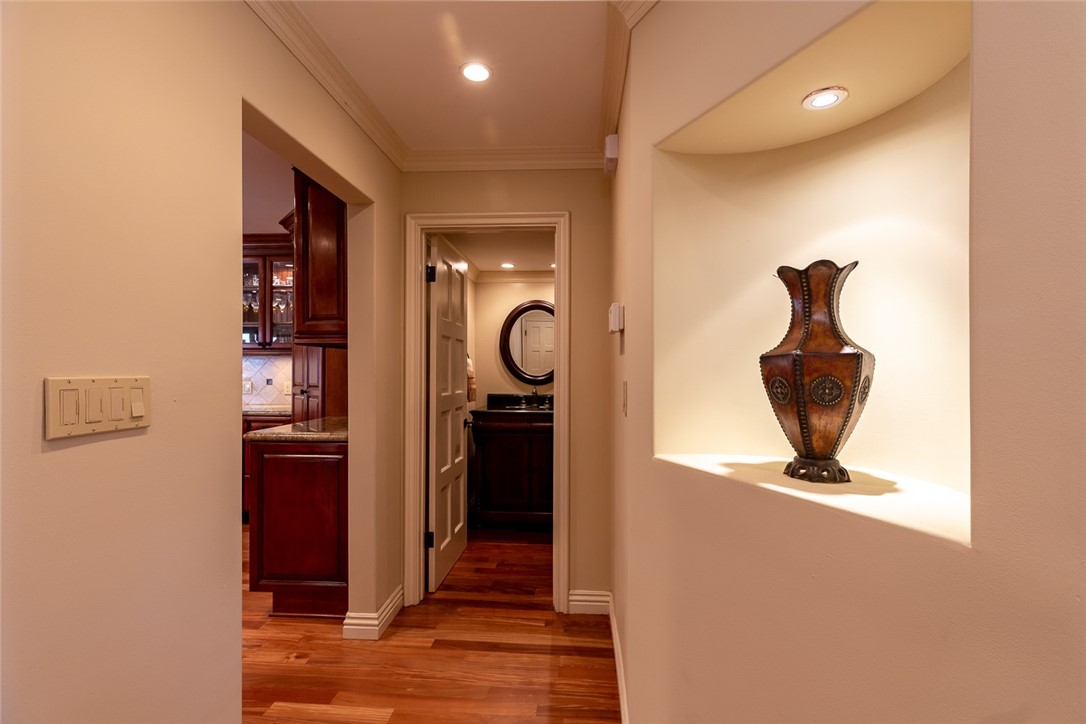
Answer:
(267, 303)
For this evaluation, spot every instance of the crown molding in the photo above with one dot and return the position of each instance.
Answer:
(622, 16)
(504, 159)
(291, 27)
(634, 10)
(616, 55)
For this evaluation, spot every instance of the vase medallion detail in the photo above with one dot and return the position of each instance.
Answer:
(817, 379)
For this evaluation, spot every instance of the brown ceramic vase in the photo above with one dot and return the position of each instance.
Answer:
(817, 379)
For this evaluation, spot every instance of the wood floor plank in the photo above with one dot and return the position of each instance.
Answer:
(487, 647)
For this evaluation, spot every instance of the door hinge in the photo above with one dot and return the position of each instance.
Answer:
(428, 539)
(431, 273)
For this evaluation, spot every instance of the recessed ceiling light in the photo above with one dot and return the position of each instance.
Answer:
(475, 72)
(553, 266)
(825, 98)
(507, 265)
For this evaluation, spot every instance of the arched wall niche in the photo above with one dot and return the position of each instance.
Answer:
(892, 193)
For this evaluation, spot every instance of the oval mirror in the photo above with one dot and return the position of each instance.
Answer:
(526, 342)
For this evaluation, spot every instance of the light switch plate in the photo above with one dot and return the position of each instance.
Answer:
(76, 406)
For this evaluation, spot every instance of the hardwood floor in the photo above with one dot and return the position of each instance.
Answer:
(487, 647)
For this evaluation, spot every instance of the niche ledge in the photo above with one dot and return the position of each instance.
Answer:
(895, 499)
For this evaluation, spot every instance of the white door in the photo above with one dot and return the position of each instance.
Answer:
(538, 343)
(447, 482)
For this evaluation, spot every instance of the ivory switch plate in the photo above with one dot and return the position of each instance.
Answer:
(77, 406)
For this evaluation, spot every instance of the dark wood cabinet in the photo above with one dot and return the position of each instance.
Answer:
(267, 294)
(298, 526)
(320, 382)
(248, 424)
(512, 472)
(320, 262)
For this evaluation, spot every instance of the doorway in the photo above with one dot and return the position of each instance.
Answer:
(418, 226)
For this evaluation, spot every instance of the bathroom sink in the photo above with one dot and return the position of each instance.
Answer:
(527, 403)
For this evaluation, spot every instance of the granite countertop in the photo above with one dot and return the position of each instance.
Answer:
(322, 429)
(266, 410)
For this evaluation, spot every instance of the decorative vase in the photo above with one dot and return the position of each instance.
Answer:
(817, 379)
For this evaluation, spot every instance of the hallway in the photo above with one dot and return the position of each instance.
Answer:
(487, 647)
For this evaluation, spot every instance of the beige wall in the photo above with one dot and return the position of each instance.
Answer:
(494, 301)
(736, 599)
(121, 241)
(586, 195)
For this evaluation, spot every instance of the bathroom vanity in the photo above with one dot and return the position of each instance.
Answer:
(511, 476)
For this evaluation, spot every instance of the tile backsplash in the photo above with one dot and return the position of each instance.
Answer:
(256, 391)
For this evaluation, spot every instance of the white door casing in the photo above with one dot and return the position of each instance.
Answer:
(415, 379)
(447, 473)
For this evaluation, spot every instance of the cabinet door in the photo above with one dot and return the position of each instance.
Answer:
(320, 382)
(267, 294)
(252, 302)
(298, 526)
(320, 264)
(279, 315)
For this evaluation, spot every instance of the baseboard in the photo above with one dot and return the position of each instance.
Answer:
(370, 626)
(619, 669)
(595, 602)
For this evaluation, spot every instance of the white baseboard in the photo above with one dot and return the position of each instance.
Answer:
(370, 626)
(619, 669)
(596, 602)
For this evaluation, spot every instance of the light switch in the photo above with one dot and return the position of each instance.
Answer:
(116, 403)
(77, 406)
(94, 404)
(136, 395)
(69, 406)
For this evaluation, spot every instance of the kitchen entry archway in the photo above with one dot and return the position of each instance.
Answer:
(417, 227)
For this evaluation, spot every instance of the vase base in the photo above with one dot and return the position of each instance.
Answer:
(817, 471)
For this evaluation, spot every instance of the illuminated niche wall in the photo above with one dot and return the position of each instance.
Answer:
(892, 193)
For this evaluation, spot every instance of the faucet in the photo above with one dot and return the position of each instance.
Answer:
(535, 397)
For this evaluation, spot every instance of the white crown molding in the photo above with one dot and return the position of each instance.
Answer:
(504, 159)
(291, 27)
(634, 10)
(506, 277)
(616, 55)
(622, 16)
(370, 626)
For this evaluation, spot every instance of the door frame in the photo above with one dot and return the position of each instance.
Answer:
(417, 227)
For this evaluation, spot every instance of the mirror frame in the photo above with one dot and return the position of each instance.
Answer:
(503, 342)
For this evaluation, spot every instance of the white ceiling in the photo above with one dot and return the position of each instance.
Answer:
(558, 71)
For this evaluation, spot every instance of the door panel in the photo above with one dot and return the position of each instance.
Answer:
(447, 489)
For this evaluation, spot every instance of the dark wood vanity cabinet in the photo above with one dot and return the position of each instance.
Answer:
(320, 260)
(320, 383)
(298, 526)
(511, 475)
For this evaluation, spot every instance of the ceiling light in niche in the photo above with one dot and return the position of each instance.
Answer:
(475, 72)
(507, 265)
(824, 98)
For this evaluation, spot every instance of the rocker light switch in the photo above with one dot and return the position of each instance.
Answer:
(116, 404)
(87, 405)
(136, 394)
(69, 407)
(94, 404)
